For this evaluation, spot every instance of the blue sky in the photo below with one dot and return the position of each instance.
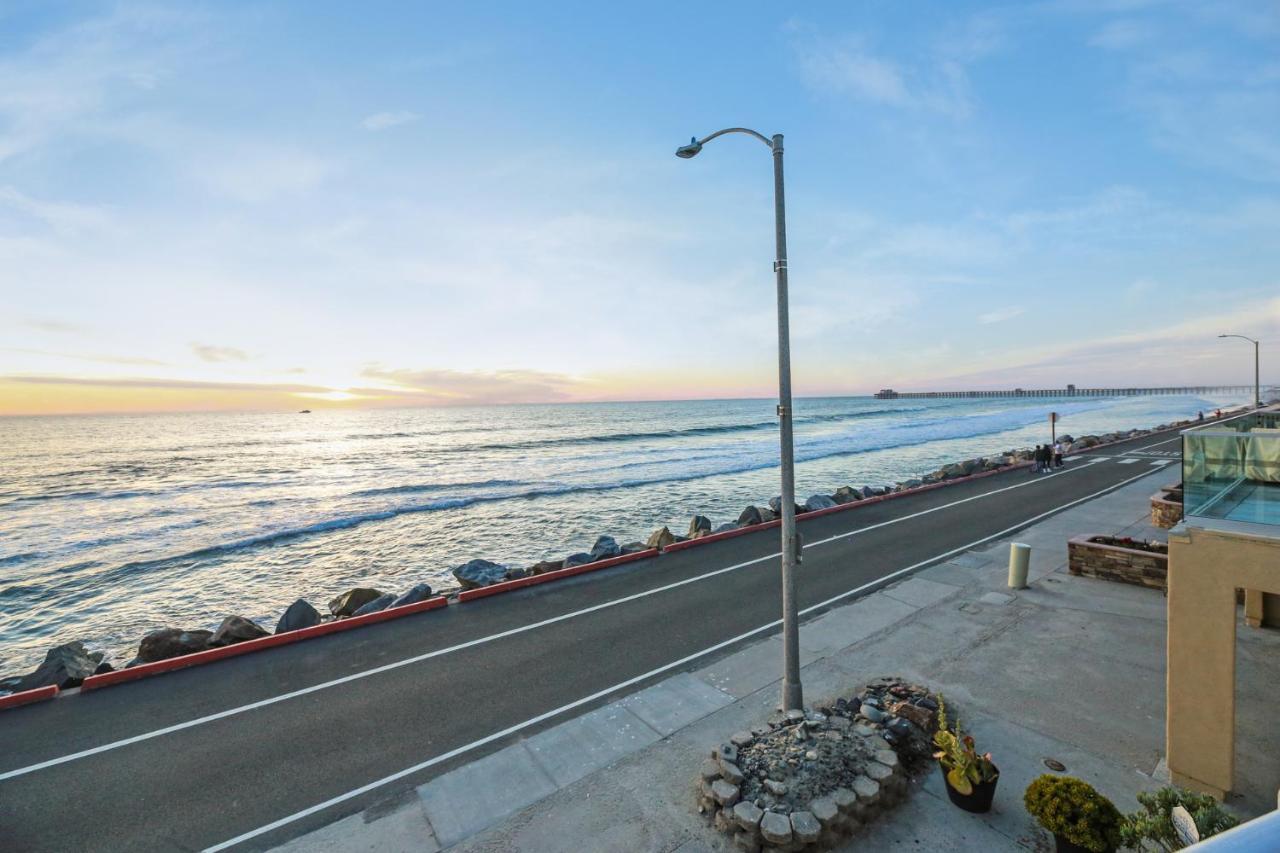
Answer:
(231, 205)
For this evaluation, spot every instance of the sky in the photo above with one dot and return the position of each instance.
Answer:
(288, 204)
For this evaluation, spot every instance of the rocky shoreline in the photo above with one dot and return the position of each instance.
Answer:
(67, 665)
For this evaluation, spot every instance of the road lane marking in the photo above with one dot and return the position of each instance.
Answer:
(1129, 461)
(355, 676)
(510, 730)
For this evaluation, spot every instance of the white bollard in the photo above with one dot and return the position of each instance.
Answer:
(1019, 563)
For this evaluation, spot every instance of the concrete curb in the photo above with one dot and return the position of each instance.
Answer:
(26, 697)
(533, 580)
(146, 670)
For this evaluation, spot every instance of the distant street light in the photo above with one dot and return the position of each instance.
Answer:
(792, 696)
(1257, 390)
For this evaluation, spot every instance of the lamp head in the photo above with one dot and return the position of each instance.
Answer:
(691, 150)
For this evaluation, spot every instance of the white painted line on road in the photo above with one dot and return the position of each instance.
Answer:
(1160, 463)
(1129, 461)
(262, 703)
(453, 753)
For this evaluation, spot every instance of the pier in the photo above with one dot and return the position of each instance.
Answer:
(1069, 391)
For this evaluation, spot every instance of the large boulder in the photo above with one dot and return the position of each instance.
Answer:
(661, 538)
(382, 602)
(749, 516)
(478, 573)
(725, 528)
(546, 566)
(700, 526)
(775, 504)
(299, 615)
(352, 600)
(420, 592)
(66, 666)
(579, 559)
(237, 629)
(605, 548)
(634, 547)
(171, 643)
(817, 502)
(846, 495)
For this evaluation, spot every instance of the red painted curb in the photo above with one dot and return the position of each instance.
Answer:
(145, 670)
(26, 697)
(532, 580)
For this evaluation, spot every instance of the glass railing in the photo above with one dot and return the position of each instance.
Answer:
(1231, 471)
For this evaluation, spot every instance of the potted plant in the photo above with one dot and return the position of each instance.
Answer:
(970, 778)
(1079, 817)
(1152, 825)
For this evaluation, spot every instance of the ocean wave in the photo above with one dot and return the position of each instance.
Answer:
(418, 488)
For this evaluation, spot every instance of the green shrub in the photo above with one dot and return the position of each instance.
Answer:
(1153, 824)
(1072, 808)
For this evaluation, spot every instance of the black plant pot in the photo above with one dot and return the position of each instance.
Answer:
(979, 801)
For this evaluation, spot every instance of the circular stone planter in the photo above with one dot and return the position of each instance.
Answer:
(979, 800)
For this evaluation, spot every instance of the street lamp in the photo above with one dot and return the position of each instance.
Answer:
(792, 696)
(1257, 390)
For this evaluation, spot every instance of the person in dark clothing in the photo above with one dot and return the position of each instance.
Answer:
(1037, 460)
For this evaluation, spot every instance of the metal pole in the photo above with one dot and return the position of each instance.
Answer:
(1257, 389)
(792, 695)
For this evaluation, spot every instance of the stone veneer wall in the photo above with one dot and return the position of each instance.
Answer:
(1166, 507)
(1113, 563)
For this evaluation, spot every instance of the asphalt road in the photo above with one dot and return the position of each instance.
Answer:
(198, 757)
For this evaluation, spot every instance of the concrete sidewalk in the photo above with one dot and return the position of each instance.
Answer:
(1070, 669)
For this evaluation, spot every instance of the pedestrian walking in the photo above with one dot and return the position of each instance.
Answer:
(1057, 454)
(1035, 459)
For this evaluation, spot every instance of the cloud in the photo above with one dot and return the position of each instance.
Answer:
(1122, 34)
(1000, 315)
(472, 387)
(180, 384)
(104, 359)
(255, 173)
(383, 121)
(54, 326)
(62, 217)
(208, 352)
(938, 84)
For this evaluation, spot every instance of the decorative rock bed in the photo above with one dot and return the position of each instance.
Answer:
(1124, 560)
(806, 781)
(1166, 507)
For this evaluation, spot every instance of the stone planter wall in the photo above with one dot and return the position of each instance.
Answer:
(808, 781)
(1113, 563)
(1166, 507)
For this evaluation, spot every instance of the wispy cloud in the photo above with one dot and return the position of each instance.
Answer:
(936, 83)
(208, 352)
(383, 121)
(1000, 316)
(174, 384)
(1122, 34)
(472, 387)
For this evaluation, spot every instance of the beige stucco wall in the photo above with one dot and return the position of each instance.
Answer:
(1205, 569)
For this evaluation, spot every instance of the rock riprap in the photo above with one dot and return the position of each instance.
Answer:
(352, 600)
(299, 615)
(171, 643)
(807, 781)
(237, 629)
(65, 666)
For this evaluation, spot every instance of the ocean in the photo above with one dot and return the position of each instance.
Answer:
(113, 526)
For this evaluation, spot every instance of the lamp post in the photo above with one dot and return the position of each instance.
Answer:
(792, 696)
(1257, 389)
